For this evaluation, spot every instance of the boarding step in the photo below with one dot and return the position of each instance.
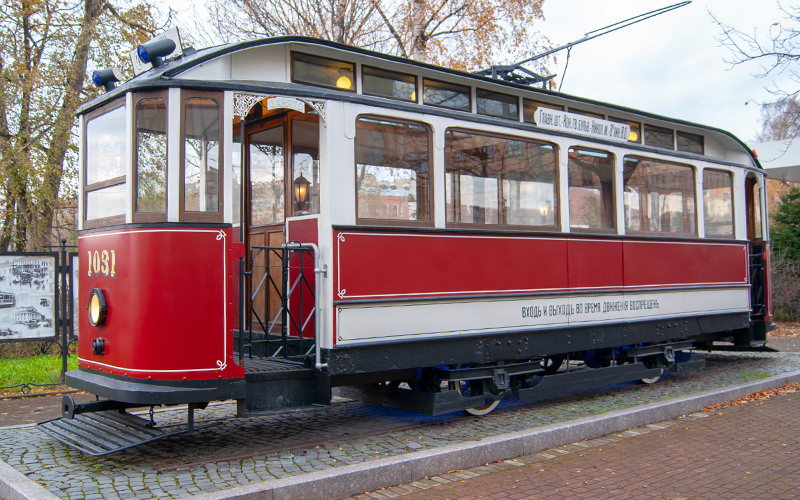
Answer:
(105, 432)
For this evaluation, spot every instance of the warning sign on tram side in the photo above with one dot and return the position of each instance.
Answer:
(27, 296)
(594, 308)
(554, 119)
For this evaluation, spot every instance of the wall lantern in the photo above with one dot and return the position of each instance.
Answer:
(301, 186)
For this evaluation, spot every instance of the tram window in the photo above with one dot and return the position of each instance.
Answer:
(691, 143)
(201, 153)
(266, 154)
(659, 137)
(392, 170)
(305, 166)
(591, 190)
(497, 104)
(446, 95)
(389, 84)
(529, 108)
(636, 129)
(106, 166)
(322, 71)
(499, 180)
(658, 197)
(718, 203)
(151, 157)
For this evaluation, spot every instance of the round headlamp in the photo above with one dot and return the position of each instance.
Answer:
(97, 307)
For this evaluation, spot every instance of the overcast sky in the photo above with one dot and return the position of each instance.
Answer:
(671, 64)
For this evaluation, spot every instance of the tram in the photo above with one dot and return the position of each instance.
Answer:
(272, 221)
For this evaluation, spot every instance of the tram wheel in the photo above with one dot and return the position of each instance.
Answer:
(551, 364)
(653, 380)
(465, 389)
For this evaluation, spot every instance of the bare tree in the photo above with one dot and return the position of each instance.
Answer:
(45, 48)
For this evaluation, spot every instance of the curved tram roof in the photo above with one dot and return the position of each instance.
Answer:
(196, 70)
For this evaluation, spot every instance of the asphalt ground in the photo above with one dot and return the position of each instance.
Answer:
(274, 455)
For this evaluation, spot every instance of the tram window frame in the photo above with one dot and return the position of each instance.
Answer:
(608, 212)
(636, 129)
(386, 74)
(428, 220)
(643, 217)
(337, 65)
(731, 212)
(529, 107)
(201, 216)
(655, 136)
(453, 209)
(434, 85)
(484, 96)
(690, 143)
(106, 184)
(152, 215)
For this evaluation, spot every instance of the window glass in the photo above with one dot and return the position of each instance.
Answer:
(323, 71)
(718, 203)
(691, 143)
(236, 180)
(151, 156)
(106, 202)
(105, 146)
(446, 95)
(755, 201)
(389, 84)
(305, 167)
(499, 180)
(529, 108)
(496, 104)
(392, 170)
(591, 189)
(201, 182)
(659, 137)
(266, 176)
(658, 197)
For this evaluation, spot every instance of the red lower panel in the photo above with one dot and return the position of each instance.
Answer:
(170, 303)
(370, 265)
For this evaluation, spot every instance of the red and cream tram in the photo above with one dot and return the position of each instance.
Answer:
(269, 220)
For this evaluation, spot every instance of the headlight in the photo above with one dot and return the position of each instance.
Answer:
(97, 307)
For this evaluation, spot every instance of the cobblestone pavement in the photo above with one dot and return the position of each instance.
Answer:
(743, 452)
(261, 448)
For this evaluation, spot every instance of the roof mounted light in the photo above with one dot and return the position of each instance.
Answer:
(154, 51)
(106, 77)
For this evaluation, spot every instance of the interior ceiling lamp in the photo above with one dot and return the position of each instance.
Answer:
(106, 77)
(155, 51)
(344, 82)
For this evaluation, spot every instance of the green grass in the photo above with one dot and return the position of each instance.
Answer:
(42, 369)
(753, 375)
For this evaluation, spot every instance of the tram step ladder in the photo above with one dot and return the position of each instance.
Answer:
(105, 432)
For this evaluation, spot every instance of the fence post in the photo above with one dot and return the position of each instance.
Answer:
(63, 314)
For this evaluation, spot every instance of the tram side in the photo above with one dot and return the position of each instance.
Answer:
(459, 257)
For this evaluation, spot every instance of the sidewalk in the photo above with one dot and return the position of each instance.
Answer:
(747, 451)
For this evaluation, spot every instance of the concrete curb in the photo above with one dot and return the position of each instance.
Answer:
(340, 482)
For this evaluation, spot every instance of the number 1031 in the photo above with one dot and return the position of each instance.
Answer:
(102, 263)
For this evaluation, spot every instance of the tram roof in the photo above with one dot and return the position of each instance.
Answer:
(168, 75)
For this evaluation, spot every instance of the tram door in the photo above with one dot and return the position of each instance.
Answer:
(758, 298)
(279, 150)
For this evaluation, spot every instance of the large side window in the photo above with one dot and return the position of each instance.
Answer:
(392, 170)
(718, 203)
(105, 168)
(150, 158)
(591, 190)
(201, 180)
(500, 180)
(659, 197)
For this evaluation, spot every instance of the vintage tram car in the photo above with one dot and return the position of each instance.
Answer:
(270, 220)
